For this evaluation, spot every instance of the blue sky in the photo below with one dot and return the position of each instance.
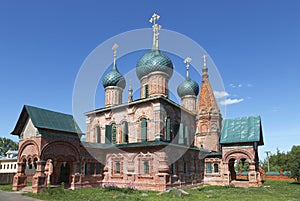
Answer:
(254, 44)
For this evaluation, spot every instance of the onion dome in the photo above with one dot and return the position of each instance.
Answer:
(189, 86)
(114, 77)
(153, 61)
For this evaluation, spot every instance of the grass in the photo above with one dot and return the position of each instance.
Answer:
(272, 190)
(6, 187)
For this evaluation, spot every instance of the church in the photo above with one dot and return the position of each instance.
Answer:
(151, 143)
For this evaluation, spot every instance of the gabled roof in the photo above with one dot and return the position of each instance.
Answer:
(241, 130)
(46, 119)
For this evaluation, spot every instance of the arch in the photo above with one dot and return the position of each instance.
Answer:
(233, 154)
(34, 150)
(52, 149)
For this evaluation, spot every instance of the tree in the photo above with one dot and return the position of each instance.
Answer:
(7, 144)
(277, 161)
(294, 162)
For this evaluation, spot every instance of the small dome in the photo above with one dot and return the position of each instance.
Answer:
(114, 78)
(153, 61)
(188, 87)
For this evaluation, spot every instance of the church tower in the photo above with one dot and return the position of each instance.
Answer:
(154, 69)
(188, 90)
(209, 118)
(113, 83)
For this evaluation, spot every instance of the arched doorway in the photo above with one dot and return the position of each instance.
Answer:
(64, 175)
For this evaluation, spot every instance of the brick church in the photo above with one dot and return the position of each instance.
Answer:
(151, 143)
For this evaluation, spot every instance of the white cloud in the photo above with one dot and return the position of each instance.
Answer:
(232, 85)
(230, 101)
(240, 85)
(220, 94)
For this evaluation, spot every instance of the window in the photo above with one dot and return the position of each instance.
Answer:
(144, 130)
(125, 132)
(15, 166)
(0, 167)
(185, 167)
(208, 168)
(92, 168)
(98, 134)
(175, 131)
(114, 134)
(181, 134)
(146, 167)
(97, 168)
(186, 135)
(216, 168)
(146, 91)
(117, 168)
(108, 134)
(168, 129)
(86, 172)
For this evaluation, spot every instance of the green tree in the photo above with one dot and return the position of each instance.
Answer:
(294, 162)
(7, 144)
(277, 161)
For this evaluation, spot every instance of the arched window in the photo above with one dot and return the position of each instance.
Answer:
(168, 129)
(125, 132)
(98, 134)
(216, 168)
(146, 167)
(114, 134)
(110, 134)
(146, 91)
(117, 168)
(143, 130)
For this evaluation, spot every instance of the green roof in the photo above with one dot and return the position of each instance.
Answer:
(46, 119)
(246, 129)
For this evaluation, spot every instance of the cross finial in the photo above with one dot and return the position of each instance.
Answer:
(204, 60)
(114, 48)
(187, 61)
(156, 28)
(154, 18)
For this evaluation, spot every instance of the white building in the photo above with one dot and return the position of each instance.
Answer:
(8, 164)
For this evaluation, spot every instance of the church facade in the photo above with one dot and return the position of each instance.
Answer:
(151, 143)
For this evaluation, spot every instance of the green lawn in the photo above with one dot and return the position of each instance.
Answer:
(272, 190)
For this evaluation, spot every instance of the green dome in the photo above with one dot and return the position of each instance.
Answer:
(114, 78)
(153, 61)
(188, 87)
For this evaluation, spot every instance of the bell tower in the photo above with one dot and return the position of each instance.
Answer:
(209, 118)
